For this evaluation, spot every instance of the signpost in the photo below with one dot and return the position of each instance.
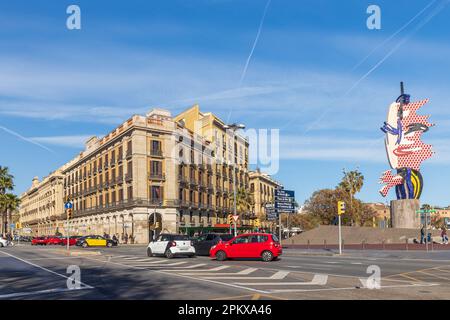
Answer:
(68, 206)
(284, 202)
(341, 210)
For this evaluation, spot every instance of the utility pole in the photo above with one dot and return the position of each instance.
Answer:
(341, 210)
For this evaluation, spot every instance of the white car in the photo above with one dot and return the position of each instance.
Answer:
(171, 245)
(3, 242)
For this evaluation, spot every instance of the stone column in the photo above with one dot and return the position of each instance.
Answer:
(403, 213)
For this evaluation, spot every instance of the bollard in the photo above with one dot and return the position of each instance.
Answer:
(342, 244)
(406, 243)
(308, 245)
(325, 244)
(363, 244)
(432, 242)
(383, 243)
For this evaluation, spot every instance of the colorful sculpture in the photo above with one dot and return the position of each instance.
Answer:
(404, 147)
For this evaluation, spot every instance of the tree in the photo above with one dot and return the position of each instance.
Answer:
(8, 201)
(244, 201)
(352, 183)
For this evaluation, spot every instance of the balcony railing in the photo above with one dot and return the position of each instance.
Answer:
(128, 177)
(119, 179)
(156, 153)
(128, 154)
(156, 176)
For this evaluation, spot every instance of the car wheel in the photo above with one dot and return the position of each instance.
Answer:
(1, 245)
(84, 245)
(109, 244)
(191, 256)
(221, 256)
(149, 252)
(267, 256)
(168, 254)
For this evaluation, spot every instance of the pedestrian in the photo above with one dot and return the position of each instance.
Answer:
(125, 238)
(115, 238)
(444, 236)
(422, 234)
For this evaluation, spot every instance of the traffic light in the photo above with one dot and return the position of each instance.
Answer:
(69, 213)
(341, 207)
(257, 223)
(230, 219)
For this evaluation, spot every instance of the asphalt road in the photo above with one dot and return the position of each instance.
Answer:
(127, 273)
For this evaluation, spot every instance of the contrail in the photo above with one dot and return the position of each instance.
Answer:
(420, 25)
(394, 34)
(434, 12)
(26, 139)
(244, 71)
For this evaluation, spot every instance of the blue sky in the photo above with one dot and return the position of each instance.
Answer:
(310, 75)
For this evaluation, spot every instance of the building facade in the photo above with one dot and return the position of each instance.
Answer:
(42, 208)
(154, 173)
(262, 188)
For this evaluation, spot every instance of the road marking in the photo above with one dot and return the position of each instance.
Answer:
(186, 276)
(356, 263)
(184, 268)
(243, 272)
(317, 268)
(30, 293)
(433, 275)
(276, 276)
(318, 280)
(48, 270)
(256, 296)
(159, 261)
(150, 264)
(353, 288)
(212, 270)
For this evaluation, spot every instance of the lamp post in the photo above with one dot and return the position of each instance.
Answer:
(234, 127)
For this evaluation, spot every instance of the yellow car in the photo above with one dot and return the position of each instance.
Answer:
(95, 241)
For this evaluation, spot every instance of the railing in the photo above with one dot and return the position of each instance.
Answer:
(129, 154)
(156, 153)
(182, 179)
(156, 176)
(119, 179)
(128, 177)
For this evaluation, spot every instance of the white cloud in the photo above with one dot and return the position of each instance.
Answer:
(63, 141)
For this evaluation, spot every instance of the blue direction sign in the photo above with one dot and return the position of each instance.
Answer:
(271, 212)
(68, 205)
(285, 200)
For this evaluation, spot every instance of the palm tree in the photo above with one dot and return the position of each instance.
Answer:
(352, 183)
(8, 204)
(6, 180)
(244, 200)
(6, 200)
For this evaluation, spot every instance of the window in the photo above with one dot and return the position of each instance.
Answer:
(156, 147)
(241, 240)
(252, 187)
(156, 167)
(156, 192)
(130, 192)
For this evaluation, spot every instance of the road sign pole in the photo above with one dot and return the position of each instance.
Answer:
(340, 235)
(68, 245)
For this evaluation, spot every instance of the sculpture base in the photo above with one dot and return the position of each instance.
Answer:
(403, 213)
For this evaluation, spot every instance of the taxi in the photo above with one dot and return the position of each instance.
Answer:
(95, 241)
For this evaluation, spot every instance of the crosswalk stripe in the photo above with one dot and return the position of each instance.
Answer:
(243, 272)
(318, 280)
(176, 269)
(276, 276)
(158, 265)
(213, 269)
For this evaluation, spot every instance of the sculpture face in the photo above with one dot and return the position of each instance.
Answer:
(405, 149)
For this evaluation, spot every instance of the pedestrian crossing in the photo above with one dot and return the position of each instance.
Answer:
(264, 280)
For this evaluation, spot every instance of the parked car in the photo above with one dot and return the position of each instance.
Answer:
(251, 245)
(204, 243)
(52, 240)
(3, 242)
(38, 241)
(95, 241)
(171, 245)
(72, 240)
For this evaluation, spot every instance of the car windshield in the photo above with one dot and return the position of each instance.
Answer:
(275, 238)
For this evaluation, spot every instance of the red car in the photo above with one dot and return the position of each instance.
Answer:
(250, 245)
(48, 240)
(38, 241)
(72, 240)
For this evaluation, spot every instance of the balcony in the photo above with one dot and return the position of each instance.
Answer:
(112, 163)
(156, 176)
(128, 177)
(106, 165)
(182, 179)
(218, 189)
(100, 169)
(156, 153)
(156, 201)
(201, 167)
(129, 154)
(209, 168)
(193, 182)
(119, 179)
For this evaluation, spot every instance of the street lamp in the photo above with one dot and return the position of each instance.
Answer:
(234, 127)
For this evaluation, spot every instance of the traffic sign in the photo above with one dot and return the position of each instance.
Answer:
(341, 207)
(285, 200)
(68, 205)
(235, 217)
(12, 225)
